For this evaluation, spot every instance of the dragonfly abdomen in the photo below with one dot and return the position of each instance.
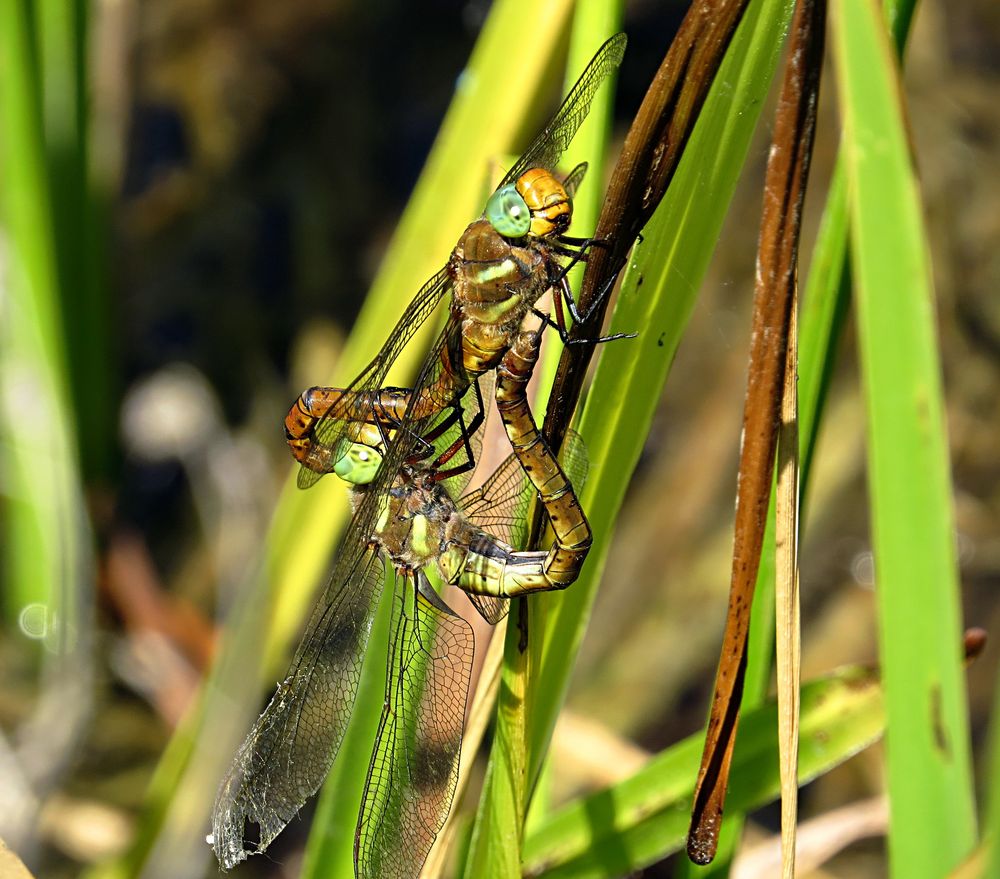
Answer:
(486, 566)
(483, 565)
(569, 523)
(363, 409)
(476, 564)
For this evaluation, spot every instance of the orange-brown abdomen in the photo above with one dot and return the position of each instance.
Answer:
(299, 424)
(357, 408)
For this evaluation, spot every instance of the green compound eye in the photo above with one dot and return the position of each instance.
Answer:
(508, 213)
(359, 465)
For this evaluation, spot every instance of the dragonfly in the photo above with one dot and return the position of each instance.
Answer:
(502, 264)
(414, 525)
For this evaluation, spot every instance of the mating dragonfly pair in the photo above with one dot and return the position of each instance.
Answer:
(408, 454)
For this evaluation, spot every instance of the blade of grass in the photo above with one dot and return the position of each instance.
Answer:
(929, 783)
(44, 510)
(63, 30)
(11, 865)
(644, 818)
(827, 291)
(788, 646)
(48, 571)
(991, 830)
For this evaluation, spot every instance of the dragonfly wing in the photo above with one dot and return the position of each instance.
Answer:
(546, 149)
(359, 396)
(414, 769)
(288, 752)
(501, 504)
(500, 507)
(492, 608)
(572, 181)
(575, 462)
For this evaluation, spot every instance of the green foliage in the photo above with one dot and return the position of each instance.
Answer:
(44, 557)
(645, 818)
(929, 780)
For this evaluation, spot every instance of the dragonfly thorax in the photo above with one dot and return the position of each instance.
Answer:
(495, 280)
(416, 520)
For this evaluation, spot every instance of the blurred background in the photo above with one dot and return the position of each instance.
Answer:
(251, 161)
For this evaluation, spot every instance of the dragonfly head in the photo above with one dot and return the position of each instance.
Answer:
(548, 201)
(537, 204)
(359, 464)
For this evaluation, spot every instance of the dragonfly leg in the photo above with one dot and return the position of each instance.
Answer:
(559, 324)
(584, 243)
(426, 441)
(562, 328)
(576, 248)
(584, 317)
(463, 441)
(566, 294)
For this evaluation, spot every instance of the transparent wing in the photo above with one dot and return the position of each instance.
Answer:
(357, 401)
(414, 768)
(546, 149)
(492, 608)
(573, 457)
(573, 180)
(501, 504)
(288, 752)
(500, 507)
